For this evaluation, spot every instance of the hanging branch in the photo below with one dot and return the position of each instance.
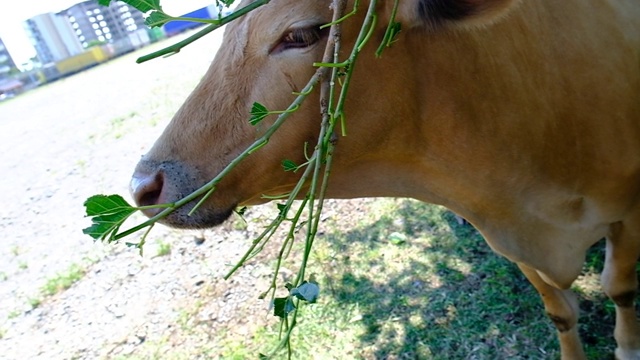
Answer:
(214, 25)
(109, 212)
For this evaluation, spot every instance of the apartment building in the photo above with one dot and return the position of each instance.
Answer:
(118, 24)
(57, 36)
(53, 37)
(7, 66)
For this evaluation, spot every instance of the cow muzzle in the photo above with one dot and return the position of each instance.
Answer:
(157, 183)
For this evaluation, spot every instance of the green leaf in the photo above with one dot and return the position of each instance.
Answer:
(289, 165)
(106, 204)
(283, 306)
(157, 19)
(105, 227)
(308, 291)
(258, 113)
(397, 238)
(390, 36)
(143, 5)
(104, 2)
(108, 212)
(288, 286)
(396, 27)
(226, 3)
(282, 208)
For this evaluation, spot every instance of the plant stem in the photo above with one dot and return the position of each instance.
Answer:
(264, 139)
(175, 48)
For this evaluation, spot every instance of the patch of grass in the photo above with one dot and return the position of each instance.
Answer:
(239, 224)
(164, 248)
(63, 280)
(60, 282)
(3, 276)
(186, 316)
(440, 293)
(13, 314)
(401, 279)
(118, 126)
(34, 302)
(22, 265)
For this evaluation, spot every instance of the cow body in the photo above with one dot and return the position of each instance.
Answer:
(521, 116)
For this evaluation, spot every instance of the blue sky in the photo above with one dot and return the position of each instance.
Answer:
(13, 13)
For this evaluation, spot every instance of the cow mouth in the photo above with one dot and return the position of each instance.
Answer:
(155, 184)
(202, 218)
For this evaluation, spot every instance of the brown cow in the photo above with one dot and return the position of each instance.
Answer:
(521, 116)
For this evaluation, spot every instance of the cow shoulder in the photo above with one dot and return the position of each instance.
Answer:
(433, 14)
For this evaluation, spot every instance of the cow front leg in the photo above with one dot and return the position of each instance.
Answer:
(562, 309)
(619, 281)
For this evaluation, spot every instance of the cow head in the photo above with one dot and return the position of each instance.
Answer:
(265, 57)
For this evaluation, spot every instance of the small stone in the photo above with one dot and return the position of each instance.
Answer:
(199, 240)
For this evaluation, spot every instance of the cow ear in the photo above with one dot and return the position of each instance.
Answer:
(434, 14)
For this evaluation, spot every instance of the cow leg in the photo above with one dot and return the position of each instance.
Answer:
(620, 282)
(562, 309)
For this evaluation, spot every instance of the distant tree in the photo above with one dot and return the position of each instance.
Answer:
(93, 43)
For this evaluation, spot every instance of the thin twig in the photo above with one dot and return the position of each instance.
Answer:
(175, 48)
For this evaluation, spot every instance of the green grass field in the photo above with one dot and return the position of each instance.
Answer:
(409, 282)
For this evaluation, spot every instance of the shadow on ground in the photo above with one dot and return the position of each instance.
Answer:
(428, 287)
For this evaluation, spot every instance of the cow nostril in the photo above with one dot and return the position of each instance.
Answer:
(147, 190)
(149, 198)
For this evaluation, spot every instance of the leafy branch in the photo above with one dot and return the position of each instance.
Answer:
(334, 76)
(203, 191)
(156, 17)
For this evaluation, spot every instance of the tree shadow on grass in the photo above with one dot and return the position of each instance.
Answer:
(428, 287)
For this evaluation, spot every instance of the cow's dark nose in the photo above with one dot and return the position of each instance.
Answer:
(146, 189)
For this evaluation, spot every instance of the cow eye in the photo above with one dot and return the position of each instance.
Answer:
(299, 38)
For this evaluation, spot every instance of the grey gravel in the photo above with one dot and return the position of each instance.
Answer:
(63, 143)
(82, 136)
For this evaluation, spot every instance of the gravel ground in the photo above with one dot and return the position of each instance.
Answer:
(81, 136)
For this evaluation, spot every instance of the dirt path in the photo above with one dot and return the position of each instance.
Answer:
(77, 137)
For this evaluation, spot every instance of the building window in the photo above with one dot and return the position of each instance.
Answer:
(103, 23)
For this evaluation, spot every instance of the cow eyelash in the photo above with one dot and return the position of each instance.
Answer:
(299, 38)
